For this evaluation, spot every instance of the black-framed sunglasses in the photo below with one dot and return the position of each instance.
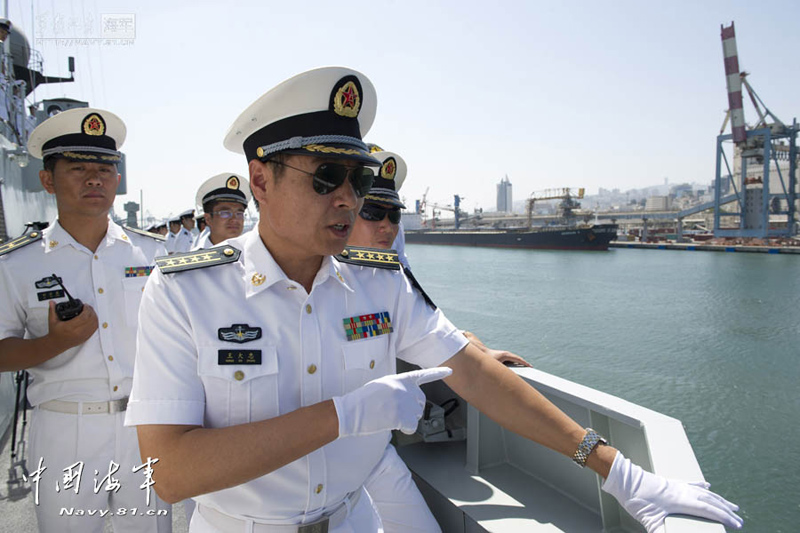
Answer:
(373, 213)
(329, 176)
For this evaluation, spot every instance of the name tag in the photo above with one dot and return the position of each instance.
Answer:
(50, 295)
(239, 357)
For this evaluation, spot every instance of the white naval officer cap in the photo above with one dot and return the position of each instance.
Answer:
(81, 134)
(321, 112)
(187, 213)
(390, 178)
(6, 24)
(175, 219)
(227, 187)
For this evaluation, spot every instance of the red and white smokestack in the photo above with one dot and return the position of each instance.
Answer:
(734, 82)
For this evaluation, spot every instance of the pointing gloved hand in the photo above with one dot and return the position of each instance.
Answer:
(650, 498)
(390, 402)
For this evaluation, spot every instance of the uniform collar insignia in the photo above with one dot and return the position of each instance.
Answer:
(239, 333)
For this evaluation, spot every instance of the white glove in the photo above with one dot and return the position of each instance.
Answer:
(390, 402)
(650, 498)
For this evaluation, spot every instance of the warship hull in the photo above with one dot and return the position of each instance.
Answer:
(596, 237)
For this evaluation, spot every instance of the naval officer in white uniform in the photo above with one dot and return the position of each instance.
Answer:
(270, 395)
(224, 198)
(81, 367)
(184, 238)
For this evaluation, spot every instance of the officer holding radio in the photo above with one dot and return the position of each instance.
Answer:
(69, 300)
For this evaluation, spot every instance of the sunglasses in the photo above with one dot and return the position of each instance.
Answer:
(329, 176)
(374, 213)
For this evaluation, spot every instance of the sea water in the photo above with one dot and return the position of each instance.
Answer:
(710, 338)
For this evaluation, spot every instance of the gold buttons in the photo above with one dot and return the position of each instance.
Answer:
(228, 252)
(53, 244)
(115, 388)
(319, 488)
(308, 309)
(105, 325)
(312, 369)
(372, 364)
(258, 279)
(110, 357)
(238, 375)
(124, 237)
(291, 288)
(34, 235)
(345, 253)
(96, 257)
(100, 290)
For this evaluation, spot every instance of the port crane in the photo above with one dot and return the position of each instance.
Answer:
(565, 194)
(764, 150)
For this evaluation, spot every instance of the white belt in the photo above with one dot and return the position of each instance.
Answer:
(227, 523)
(86, 408)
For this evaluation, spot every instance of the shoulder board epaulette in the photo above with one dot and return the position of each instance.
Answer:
(210, 257)
(155, 236)
(416, 285)
(19, 242)
(372, 257)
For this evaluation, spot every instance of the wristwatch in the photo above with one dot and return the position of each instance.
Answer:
(589, 443)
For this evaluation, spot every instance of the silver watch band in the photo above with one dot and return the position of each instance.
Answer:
(589, 443)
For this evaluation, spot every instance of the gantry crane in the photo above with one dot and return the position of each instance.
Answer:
(762, 150)
(565, 194)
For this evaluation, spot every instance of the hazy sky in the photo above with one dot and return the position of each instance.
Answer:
(614, 94)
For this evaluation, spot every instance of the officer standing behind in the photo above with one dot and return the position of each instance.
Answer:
(80, 358)
(175, 227)
(184, 238)
(224, 198)
(272, 408)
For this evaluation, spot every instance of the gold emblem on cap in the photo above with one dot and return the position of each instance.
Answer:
(389, 169)
(228, 252)
(347, 101)
(260, 152)
(258, 279)
(94, 125)
(233, 183)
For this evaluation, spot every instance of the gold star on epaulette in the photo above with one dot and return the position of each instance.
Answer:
(373, 257)
(198, 259)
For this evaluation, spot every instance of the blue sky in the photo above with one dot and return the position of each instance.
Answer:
(615, 94)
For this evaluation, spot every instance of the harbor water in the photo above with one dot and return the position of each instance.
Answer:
(712, 339)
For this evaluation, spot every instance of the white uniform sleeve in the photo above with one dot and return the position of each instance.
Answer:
(166, 386)
(12, 312)
(399, 246)
(427, 338)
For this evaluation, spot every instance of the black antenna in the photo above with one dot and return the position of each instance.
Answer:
(67, 310)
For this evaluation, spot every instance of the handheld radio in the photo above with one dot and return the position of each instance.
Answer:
(70, 309)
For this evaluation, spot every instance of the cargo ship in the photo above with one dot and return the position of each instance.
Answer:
(566, 234)
(590, 237)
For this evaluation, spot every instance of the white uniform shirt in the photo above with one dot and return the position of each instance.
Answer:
(170, 242)
(305, 359)
(203, 241)
(183, 241)
(111, 280)
(399, 245)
